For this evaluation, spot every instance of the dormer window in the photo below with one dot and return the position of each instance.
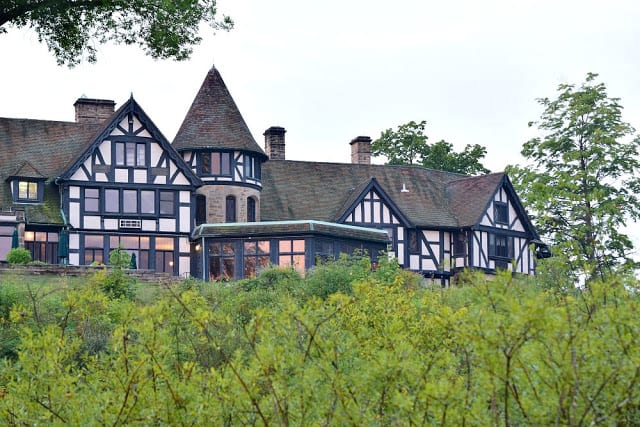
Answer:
(27, 191)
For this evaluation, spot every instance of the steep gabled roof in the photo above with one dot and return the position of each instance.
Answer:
(470, 197)
(49, 145)
(27, 170)
(214, 121)
(105, 129)
(295, 190)
(358, 193)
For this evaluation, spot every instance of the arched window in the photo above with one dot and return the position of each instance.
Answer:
(230, 212)
(251, 209)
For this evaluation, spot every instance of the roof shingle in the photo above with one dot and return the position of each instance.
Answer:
(48, 144)
(294, 190)
(214, 121)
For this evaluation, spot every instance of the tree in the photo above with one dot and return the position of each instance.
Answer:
(441, 156)
(164, 29)
(582, 183)
(408, 146)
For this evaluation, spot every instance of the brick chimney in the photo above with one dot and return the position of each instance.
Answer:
(361, 150)
(274, 143)
(90, 110)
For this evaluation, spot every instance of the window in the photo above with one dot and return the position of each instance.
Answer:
(93, 249)
(129, 201)
(112, 200)
(256, 257)
(206, 162)
(251, 209)
(225, 163)
(251, 167)
(42, 245)
(6, 237)
(230, 211)
(91, 199)
(500, 246)
(248, 166)
(291, 252)
(220, 164)
(141, 158)
(138, 245)
(147, 202)
(201, 209)
(164, 254)
(501, 212)
(459, 244)
(27, 190)
(324, 251)
(167, 206)
(414, 242)
(131, 154)
(221, 261)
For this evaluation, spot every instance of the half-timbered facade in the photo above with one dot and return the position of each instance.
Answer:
(216, 205)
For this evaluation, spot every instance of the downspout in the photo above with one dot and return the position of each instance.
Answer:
(64, 218)
(203, 261)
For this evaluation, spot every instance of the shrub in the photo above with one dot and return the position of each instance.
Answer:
(119, 258)
(18, 256)
(337, 276)
(115, 284)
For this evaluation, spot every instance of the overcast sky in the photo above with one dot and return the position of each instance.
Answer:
(332, 70)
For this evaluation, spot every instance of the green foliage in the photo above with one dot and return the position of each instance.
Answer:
(119, 258)
(18, 256)
(71, 30)
(582, 184)
(405, 146)
(442, 157)
(115, 284)
(337, 276)
(499, 351)
(408, 146)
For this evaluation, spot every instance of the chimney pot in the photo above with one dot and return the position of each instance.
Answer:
(361, 150)
(274, 144)
(89, 110)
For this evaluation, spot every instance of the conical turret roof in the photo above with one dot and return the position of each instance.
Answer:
(214, 121)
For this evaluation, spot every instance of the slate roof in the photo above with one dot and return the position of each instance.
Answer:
(39, 148)
(295, 190)
(214, 121)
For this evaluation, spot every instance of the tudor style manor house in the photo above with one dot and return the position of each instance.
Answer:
(215, 205)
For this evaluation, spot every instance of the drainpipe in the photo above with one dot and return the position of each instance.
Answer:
(203, 260)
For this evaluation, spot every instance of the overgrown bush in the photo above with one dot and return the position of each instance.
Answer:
(389, 352)
(327, 278)
(18, 256)
(119, 258)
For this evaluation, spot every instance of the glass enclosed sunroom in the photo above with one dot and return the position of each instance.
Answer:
(232, 251)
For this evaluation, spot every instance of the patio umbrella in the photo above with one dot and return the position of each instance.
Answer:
(63, 246)
(134, 265)
(15, 243)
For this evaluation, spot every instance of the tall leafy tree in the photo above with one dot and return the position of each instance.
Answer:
(71, 28)
(408, 146)
(442, 156)
(582, 181)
